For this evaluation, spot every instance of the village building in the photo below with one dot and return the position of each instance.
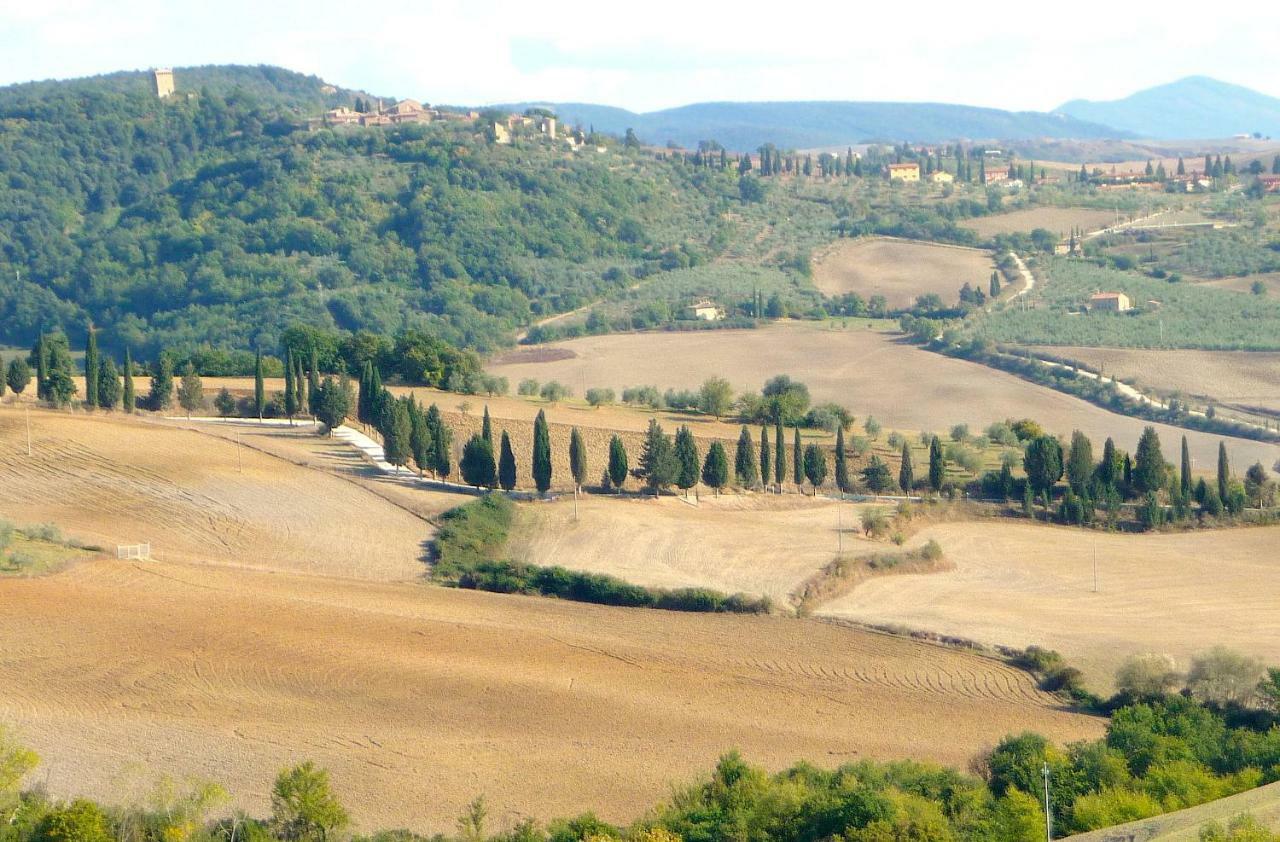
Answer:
(163, 79)
(501, 134)
(1112, 302)
(942, 177)
(1270, 183)
(904, 172)
(706, 310)
(995, 175)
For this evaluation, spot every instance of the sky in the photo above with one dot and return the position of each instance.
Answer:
(659, 53)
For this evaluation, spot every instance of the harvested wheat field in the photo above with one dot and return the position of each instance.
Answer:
(900, 270)
(1019, 584)
(1243, 378)
(870, 371)
(420, 698)
(1058, 220)
(754, 544)
(108, 479)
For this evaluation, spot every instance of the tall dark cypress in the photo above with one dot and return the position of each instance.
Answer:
(41, 353)
(130, 399)
(842, 463)
(906, 474)
(1185, 484)
(92, 363)
(937, 468)
(299, 383)
(313, 381)
(506, 464)
(765, 457)
(259, 387)
(779, 454)
(290, 394)
(797, 460)
(541, 453)
(1224, 471)
(486, 427)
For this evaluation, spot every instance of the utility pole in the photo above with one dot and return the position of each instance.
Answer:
(1048, 814)
(27, 411)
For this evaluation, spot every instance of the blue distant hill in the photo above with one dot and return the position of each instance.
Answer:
(1194, 107)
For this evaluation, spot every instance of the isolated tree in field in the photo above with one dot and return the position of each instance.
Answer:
(715, 397)
(332, 405)
(779, 454)
(290, 393)
(876, 476)
(160, 396)
(541, 453)
(1079, 466)
(843, 482)
(766, 457)
(715, 470)
(657, 460)
(506, 464)
(686, 453)
(477, 464)
(577, 458)
(1224, 471)
(906, 472)
(1043, 464)
(872, 427)
(91, 364)
(744, 461)
(396, 433)
(128, 399)
(797, 460)
(108, 384)
(994, 288)
(190, 390)
(1148, 467)
(18, 375)
(304, 808)
(259, 387)
(815, 466)
(1184, 476)
(618, 465)
(937, 467)
(486, 427)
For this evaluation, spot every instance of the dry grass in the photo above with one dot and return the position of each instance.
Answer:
(1262, 803)
(1230, 377)
(900, 271)
(1019, 584)
(110, 480)
(871, 372)
(1058, 220)
(756, 544)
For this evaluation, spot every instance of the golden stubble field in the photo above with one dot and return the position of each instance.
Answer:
(872, 372)
(1017, 584)
(1058, 220)
(900, 270)
(1243, 378)
(225, 658)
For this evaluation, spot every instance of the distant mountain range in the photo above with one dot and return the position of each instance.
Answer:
(1194, 107)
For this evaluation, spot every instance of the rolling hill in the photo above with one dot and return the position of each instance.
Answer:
(1194, 107)
(806, 125)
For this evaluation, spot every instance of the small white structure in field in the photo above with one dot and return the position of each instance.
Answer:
(706, 309)
(141, 552)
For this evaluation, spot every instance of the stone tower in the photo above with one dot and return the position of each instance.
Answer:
(164, 82)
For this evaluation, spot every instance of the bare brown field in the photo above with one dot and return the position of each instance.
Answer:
(1232, 377)
(871, 372)
(1244, 283)
(755, 544)
(900, 270)
(109, 480)
(1021, 584)
(418, 699)
(1058, 220)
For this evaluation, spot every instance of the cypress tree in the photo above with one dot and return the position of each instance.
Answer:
(906, 474)
(486, 428)
(506, 464)
(108, 384)
(577, 456)
(313, 381)
(290, 394)
(161, 396)
(1107, 467)
(842, 463)
(259, 388)
(91, 364)
(766, 456)
(441, 441)
(797, 460)
(128, 399)
(1148, 468)
(1224, 471)
(397, 433)
(618, 465)
(744, 461)
(541, 453)
(686, 453)
(779, 454)
(715, 470)
(477, 464)
(300, 383)
(657, 461)
(815, 466)
(937, 468)
(1079, 462)
(363, 396)
(419, 435)
(41, 353)
(1185, 476)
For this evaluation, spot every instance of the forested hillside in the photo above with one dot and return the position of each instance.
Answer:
(216, 217)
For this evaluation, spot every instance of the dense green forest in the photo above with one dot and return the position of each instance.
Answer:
(215, 217)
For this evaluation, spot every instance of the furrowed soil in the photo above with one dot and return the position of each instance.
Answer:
(1241, 378)
(226, 659)
(871, 372)
(900, 271)
(1020, 584)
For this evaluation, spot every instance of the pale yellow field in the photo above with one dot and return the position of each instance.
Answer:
(1020, 584)
(1058, 220)
(1231, 377)
(900, 270)
(755, 544)
(871, 372)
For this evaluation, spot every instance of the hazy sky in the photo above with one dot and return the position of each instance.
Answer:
(657, 53)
